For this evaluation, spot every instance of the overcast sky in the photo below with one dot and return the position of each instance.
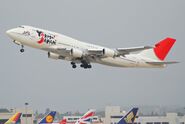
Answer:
(46, 83)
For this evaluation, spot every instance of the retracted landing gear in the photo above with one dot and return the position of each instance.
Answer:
(73, 65)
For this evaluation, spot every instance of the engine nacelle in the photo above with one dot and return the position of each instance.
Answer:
(77, 53)
(108, 52)
(53, 55)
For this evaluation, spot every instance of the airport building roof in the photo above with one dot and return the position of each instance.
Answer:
(4, 110)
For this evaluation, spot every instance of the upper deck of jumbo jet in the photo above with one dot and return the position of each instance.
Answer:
(60, 37)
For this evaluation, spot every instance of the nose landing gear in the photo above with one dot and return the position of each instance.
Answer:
(18, 43)
(22, 49)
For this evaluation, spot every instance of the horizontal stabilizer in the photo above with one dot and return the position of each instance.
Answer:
(162, 63)
(123, 51)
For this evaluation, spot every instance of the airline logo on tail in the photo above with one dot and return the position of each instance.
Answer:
(129, 117)
(14, 118)
(63, 121)
(86, 118)
(163, 47)
(48, 118)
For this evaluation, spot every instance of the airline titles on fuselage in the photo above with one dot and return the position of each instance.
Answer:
(47, 38)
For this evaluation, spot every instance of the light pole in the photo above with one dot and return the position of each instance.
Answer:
(26, 104)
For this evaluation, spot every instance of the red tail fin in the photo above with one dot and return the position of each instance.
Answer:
(163, 47)
(63, 121)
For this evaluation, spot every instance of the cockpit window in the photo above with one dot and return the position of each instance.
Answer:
(21, 26)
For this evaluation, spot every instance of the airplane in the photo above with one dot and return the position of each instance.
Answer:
(48, 118)
(14, 119)
(85, 119)
(129, 118)
(63, 121)
(63, 47)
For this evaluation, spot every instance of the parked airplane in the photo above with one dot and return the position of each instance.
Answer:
(48, 118)
(14, 119)
(85, 119)
(63, 121)
(62, 47)
(129, 117)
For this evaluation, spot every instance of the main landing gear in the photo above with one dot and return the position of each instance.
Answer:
(73, 65)
(83, 65)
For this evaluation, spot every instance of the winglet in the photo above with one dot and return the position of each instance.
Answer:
(48, 118)
(129, 117)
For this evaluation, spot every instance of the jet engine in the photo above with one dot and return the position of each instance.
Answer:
(77, 53)
(53, 55)
(108, 52)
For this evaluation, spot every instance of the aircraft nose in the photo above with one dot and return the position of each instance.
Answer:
(10, 32)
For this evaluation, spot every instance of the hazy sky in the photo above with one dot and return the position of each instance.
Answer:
(32, 77)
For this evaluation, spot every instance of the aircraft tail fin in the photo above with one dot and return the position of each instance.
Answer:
(48, 118)
(90, 113)
(129, 117)
(86, 118)
(160, 51)
(63, 121)
(14, 119)
(163, 47)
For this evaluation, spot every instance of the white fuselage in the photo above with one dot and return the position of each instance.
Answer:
(30, 36)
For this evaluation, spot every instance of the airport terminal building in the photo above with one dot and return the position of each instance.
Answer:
(26, 118)
(113, 114)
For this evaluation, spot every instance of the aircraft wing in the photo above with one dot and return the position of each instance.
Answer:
(57, 49)
(86, 52)
(96, 52)
(123, 51)
(119, 51)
